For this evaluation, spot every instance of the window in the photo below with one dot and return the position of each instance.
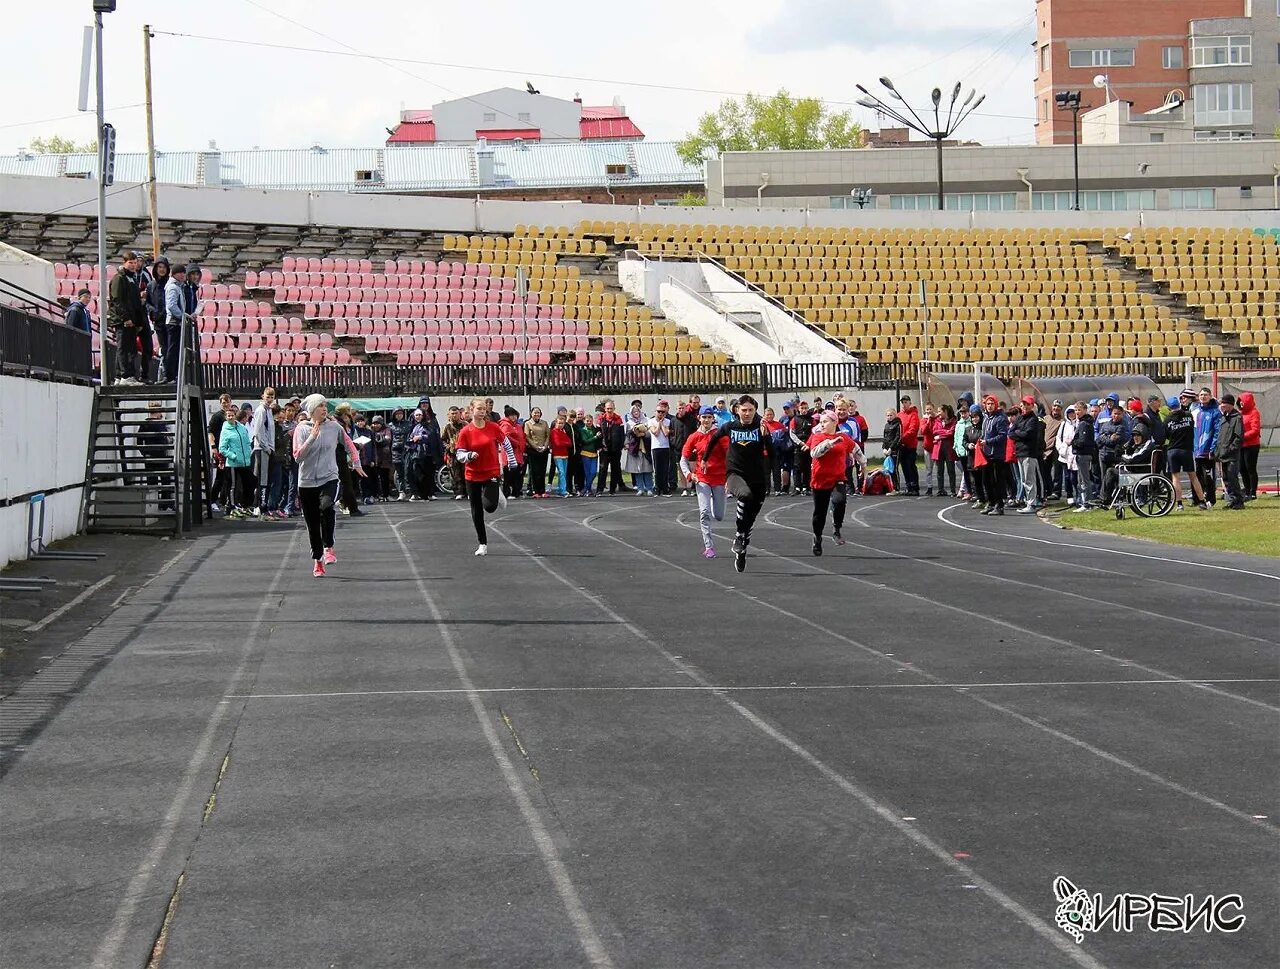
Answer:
(1044, 58)
(1119, 200)
(1171, 58)
(1222, 104)
(1224, 136)
(490, 117)
(523, 116)
(1156, 137)
(1191, 198)
(963, 202)
(1106, 57)
(1221, 51)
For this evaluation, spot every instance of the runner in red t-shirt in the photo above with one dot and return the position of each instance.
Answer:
(830, 450)
(707, 475)
(484, 450)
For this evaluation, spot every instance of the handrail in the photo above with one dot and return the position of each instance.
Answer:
(771, 340)
(22, 290)
(776, 303)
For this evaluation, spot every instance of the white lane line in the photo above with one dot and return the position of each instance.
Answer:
(887, 813)
(1105, 755)
(1056, 592)
(576, 911)
(63, 609)
(942, 517)
(837, 687)
(138, 888)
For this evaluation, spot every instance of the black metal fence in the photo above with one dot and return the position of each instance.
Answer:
(34, 347)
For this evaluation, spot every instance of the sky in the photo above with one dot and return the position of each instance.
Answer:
(668, 62)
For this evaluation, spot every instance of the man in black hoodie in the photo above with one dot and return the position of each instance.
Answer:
(801, 430)
(128, 319)
(155, 307)
(1230, 441)
(1027, 431)
(746, 464)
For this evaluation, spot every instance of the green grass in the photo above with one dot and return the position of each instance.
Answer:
(1255, 531)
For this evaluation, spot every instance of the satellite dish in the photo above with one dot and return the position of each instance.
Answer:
(1100, 81)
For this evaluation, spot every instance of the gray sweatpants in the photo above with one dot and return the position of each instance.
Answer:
(1031, 489)
(710, 506)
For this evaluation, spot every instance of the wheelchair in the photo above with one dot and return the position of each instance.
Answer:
(1148, 494)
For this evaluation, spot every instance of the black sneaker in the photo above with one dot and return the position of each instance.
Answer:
(817, 546)
(739, 545)
(740, 560)
(999, 510)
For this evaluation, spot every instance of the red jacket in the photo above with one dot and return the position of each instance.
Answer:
(515, 434)
(1252, 418)
(712, 471)
(926, 433)
(910, 418)
(561, 442)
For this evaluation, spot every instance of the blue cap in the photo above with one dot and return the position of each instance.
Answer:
(975, 409)
(708, 412)
(1095, 402)
(1113, 396)
(1173, 402)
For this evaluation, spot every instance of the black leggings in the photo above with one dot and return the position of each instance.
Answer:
(484, 498)
(1249, 469)
(319, 519)
(824, 499)
(750, 497)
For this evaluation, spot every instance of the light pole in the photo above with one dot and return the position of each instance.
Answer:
(99, 8)
(861, 197)
(1070, 101)
(941, 130)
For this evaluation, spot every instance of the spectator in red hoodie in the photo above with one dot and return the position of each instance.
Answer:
(513, 477)
(1251, 445)
(906, 453)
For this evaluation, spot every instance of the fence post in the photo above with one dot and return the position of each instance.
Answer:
(764, 384)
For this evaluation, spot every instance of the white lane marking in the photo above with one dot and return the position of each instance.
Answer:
(888, 814)
(837, 687)
(942, 517)
(63, 609)
(115, 603)
(138, 888)
(576, 911)
(918, 671)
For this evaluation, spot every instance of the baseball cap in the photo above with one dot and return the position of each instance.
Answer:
(1135, 406)
(1173, 401)
(708, 412)
(1029, 400)
(1227, 399)
(637, 402)
(787, 406)
(1155, 397)
(1057, 403)
(1113, 396)
(1095, 402)
(664, 403)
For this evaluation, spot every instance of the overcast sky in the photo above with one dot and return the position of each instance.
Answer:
(243, 96)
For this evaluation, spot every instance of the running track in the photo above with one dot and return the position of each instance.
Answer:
(596, 748)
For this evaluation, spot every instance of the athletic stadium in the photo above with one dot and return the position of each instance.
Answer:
(804, 583)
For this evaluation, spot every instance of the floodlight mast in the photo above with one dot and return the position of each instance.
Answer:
(940, 131)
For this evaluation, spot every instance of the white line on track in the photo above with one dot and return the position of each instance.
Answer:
(66, 607)
(885, 812)
(590, 941)
(138, 888)
(1098, 752)
(836, 687)
(942, 517)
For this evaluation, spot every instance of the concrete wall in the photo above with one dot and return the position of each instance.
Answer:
(459, 120)
(709, 325)
(23, 269)
(44, 434)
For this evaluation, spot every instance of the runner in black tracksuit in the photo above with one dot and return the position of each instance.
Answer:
(747, 467)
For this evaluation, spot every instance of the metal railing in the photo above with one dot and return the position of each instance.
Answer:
(190, 456)
(730, 318)
(34, 347)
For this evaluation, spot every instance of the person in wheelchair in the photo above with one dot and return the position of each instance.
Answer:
(1136, 458)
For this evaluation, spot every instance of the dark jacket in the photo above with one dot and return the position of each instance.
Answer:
(1180, 430)
(383, 442)
(995, 436)
(400, 428)
(749, 449)
(1028, 436)
(1156, 425)
(891, 436)
(155, 300)
(1113, 437)
(613, 436)
(1138, 457)
(154, 439)
(125, 303)
(1230, 436)
(77, 317)
(1084, 441)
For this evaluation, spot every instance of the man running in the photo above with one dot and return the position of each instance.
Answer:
(747, 465)
(707, 475)
(483, 449)
(829, 451)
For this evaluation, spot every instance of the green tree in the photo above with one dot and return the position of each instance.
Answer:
(759, 123)
(691, 198)
(58, 145)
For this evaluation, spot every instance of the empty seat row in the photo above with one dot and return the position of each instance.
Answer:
(343, 294)
(357, 327)
(276, 280)
(224, 340)
(338, 355)
(426, 311)
(393, 344)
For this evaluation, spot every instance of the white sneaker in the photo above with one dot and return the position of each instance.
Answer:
(256, 513)
(685, 493)
(1080, 510)
(215, 509)
(482, 550)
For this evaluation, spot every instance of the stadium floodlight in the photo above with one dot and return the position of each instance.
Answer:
(941, 129)
(861, 196)
(1070, 101)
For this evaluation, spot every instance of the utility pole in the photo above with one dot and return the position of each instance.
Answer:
(151, 142)
(104, 373)
(1070, 101)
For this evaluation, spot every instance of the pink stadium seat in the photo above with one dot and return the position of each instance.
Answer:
(289, 264)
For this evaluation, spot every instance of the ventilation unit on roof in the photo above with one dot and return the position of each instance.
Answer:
(519, 144)
(368, 175)
(618, 170)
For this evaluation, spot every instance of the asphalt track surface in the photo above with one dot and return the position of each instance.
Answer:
(594, 747)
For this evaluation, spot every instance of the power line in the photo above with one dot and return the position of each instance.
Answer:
(65, 117)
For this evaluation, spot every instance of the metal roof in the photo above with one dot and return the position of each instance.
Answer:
(440, 167)
(316, 169)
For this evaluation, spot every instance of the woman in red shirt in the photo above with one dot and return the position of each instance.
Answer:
(561, 448)
(707, 474)
(483, 449)
(829, 452)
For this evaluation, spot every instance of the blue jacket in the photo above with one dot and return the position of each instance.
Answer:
(1208, 422)
(235, 445)
(723, 416)
(78, 317)
(1113, 437)
(995, 435)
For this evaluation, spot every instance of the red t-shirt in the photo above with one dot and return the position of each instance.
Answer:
(828, 470)
(486, 442)
(714, 473)
(561, 442)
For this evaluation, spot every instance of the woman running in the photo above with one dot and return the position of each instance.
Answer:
(316, 442)
(829, 451)
(747, 466)
(483, 450)
(707, 475)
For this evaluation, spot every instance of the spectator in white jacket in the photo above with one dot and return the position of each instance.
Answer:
(262, 430)
(1066, 454)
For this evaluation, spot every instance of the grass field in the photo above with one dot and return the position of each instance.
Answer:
(1255, 531)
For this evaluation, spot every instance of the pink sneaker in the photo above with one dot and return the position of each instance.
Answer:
(318, 571)
(282, 514)
(330, 556)
(709, 553)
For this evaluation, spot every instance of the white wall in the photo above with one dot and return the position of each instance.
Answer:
(44, 437)
(795, 341)
(710, 326)
(23, 269)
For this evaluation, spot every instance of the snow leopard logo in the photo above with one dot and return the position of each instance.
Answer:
(1075, 914)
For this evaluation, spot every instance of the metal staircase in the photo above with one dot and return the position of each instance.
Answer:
(147, 466)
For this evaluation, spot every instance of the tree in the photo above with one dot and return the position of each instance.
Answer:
(691, 198)
(58, 145)
(758, 123)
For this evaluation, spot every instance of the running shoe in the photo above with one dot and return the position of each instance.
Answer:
(214, 509)
(739, 545)
(708, 552)
(330, 556)
(482, 550)
(740, 560)
(318, 571)
(838, 537)
(817, 546)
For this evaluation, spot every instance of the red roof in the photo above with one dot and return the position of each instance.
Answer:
(597, 124)
(509, 134)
